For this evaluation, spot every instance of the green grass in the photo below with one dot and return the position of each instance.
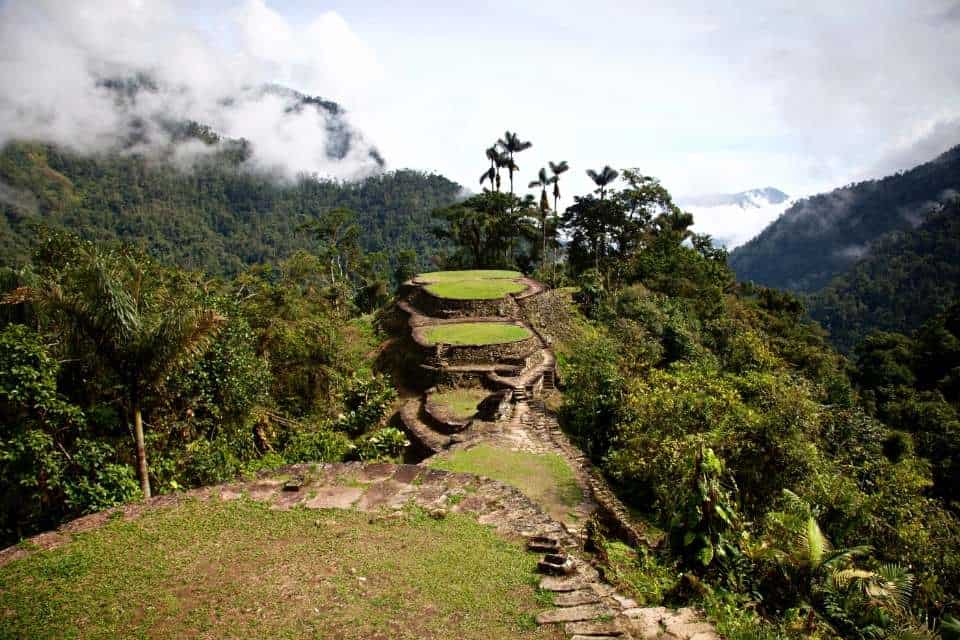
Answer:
(239, 570)
(476, 333)
(462, 403)
(474, 289)
(545, 478)
(475, 274)
(472, 285)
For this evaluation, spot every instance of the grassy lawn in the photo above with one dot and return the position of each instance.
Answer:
(239, 570)
(545, 478)
(472, 285)
(462, 403)
(476, 333)
(474, 289)
(475, 274)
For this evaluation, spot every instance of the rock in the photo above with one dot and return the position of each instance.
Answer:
(543, 544)
(556, 564)
(438, 514)
(625, 603)
(573, 614)
(554, 583)
(334, 498)
(593, 628)
(574, 598)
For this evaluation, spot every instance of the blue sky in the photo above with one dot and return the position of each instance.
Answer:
(709, 96)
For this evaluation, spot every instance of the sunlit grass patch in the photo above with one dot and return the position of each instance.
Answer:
(545, 478)
(470, 274)
(476, 333)
(462, 403)
(474, 289)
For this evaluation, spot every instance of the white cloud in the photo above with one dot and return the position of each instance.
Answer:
(54, 53)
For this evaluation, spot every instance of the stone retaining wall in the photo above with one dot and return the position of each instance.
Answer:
(468, 354)
(437, 307)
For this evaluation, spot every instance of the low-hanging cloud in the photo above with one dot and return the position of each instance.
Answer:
(58, 59)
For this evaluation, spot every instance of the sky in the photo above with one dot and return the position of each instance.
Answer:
(711, 97)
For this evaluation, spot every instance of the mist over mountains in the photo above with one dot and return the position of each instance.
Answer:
(733, 218)
(133, 78)
(822, 236)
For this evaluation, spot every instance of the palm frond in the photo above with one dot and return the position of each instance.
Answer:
(559, 167)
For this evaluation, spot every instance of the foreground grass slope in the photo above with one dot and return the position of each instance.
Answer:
(240, 570)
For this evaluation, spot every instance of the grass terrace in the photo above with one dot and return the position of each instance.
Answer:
(461, 403)
(241, 570)
(545, 478)
(472, 285)
(473, 274)
(476, 333)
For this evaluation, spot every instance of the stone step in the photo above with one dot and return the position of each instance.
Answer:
(573, 614)
(561, 585)
(593, 629)
(575, 598)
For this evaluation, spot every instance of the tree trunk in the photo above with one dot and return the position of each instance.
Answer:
(142, 469)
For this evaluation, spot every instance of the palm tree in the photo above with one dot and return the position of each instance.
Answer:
(140, 333)
(511, 144)
(603, 178)
(556, 169)
(493, 173)
(542, 181)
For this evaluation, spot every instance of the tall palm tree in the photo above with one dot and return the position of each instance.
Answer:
(603, 178)
(557, 168)
(140, 334)
(493, 173)
(542, 181)
(511, 144)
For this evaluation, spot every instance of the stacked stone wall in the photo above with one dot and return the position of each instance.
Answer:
(437, 307)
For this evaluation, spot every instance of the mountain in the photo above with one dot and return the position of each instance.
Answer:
(822, 236)
(218, 216)
(733, 218)
(906, 278)
(275, 121)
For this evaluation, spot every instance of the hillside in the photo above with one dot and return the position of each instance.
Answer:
(822, 236)
(218, 217)
(908, 277)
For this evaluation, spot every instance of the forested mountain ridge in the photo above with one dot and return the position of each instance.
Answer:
(908, 277)
(217, 217)
(822, 236)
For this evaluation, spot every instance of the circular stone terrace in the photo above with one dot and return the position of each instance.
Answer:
(477, 284)
(474, 333)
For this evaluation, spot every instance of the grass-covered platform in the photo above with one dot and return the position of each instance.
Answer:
(545, 478)
(460, 403)
(211, 569)
(475, 333)
(475, 284)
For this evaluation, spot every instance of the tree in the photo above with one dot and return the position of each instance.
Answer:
(102, 302)
(603, 179)
(557, 168)
(338, 236)
(497, 162)
(487, 229)
(542, 181)
(511, 145)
